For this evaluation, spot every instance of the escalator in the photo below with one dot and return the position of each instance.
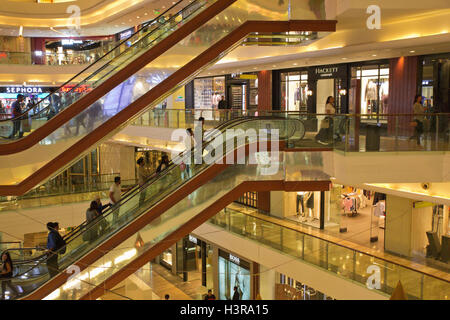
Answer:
(149, 218)
(137, 80)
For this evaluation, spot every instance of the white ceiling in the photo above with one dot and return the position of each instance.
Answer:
(99, 17)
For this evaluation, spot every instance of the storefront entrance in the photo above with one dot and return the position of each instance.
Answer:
(233, 272)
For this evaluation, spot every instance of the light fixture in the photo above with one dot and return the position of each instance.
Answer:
(309, 92)
(412, 51)
(343, 92)
(20, 31)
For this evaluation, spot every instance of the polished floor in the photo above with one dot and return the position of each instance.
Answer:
(153, 282)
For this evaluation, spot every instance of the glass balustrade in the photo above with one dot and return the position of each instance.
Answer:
(342, 261)
(139, 200)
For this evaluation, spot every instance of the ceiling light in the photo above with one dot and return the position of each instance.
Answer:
(295, 64)
(412, 51)
(374, 55)
(344, 58)
(138, 17)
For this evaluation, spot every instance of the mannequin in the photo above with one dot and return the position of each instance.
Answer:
(309, 203)
(297, 97)
(300, 204)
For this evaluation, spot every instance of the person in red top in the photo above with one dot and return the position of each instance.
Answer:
(210, 295)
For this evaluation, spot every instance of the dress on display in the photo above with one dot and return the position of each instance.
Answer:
(310, 202)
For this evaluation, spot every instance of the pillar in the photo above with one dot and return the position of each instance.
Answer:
(397, 237)
(265, 90)
(267, 280)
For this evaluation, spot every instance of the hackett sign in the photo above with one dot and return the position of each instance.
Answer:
(326, 71)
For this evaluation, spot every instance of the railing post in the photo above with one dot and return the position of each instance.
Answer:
(354, 265)
(437, 133)
(396, 133)
(421, 285)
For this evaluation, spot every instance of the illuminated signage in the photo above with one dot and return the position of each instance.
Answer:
(234, 259)
(69, 42)
(327, 71)
(126, 34)
(80, 89)
(30, 90)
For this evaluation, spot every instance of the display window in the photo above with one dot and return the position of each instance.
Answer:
(208, 92)
(374, 90)
(294, 91)
(233, 272)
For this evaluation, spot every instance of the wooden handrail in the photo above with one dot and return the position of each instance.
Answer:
(156, 211)
(117, 121)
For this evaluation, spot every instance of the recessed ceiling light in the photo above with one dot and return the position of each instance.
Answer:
(344, 58)
(138, 17)
(295, 64)
(412, 51)
(374, 55)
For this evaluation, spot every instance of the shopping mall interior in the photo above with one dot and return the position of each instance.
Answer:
(260, 149)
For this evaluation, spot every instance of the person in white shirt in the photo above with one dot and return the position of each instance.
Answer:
(189, 143)
(114, 197)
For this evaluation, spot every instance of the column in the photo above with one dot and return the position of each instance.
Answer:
(397, 237)
(267, 283)
(265, 90)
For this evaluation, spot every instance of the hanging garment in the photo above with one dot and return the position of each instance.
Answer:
(348, 204)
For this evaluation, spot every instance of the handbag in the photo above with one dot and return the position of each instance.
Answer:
(325, 123)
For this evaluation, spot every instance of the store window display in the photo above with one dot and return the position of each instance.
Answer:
(374, 89)
(294, 89)
(233, 272)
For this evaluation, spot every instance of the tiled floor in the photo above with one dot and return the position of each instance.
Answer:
(153, 282)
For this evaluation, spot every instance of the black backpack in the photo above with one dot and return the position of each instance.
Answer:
(60, 243)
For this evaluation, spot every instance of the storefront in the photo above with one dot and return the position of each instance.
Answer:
(372, 81)
(435, 82)
(233, 272)
(75, 51)
(191, 259)
(8, 94)
(242, 91)
(208, 92)
(294, 91)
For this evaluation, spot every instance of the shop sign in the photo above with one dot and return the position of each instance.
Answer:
(234, 259)
(69, 42)
(327, 71)
(193, 239)
(241, 76)
(126, 34)
(80, 89)
(30, 90)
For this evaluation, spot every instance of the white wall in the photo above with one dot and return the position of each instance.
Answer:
(312, 276)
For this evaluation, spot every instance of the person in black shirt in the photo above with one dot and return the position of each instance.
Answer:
(6, 274)
(236, 295)
(17, 111)
(210, 295)
(163, 164)
(222, 106)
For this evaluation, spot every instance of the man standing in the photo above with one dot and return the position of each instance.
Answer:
(143, 176)
(222, 106)
(114, 197)
(17, 111)
(52, 246)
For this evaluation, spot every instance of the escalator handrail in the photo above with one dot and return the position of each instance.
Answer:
(24, 114)
(87, 100)
(213, 53)
(153, 180)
